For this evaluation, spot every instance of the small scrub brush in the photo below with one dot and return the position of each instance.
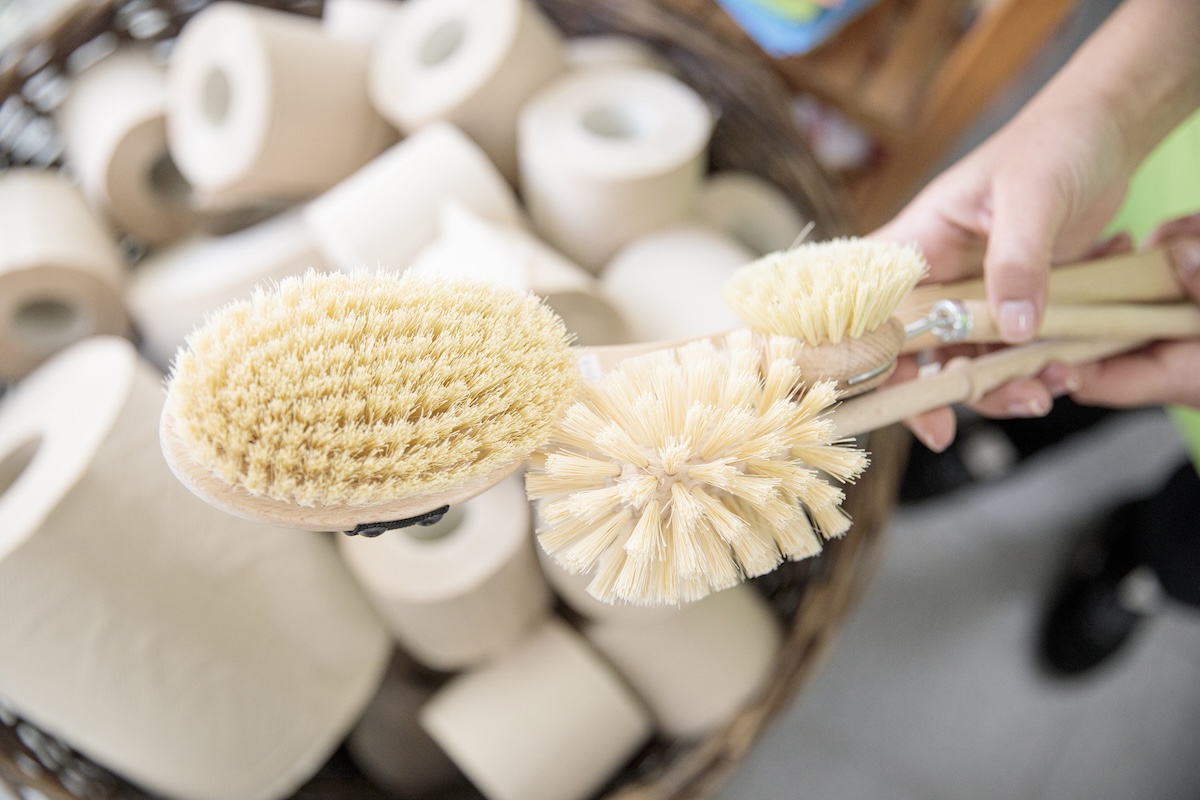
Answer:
(337, 400)
(685, 471)
(839, 298)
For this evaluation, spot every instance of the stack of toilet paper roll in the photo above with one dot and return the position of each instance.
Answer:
(202, 656)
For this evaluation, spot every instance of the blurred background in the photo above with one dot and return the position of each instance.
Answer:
(932, 690)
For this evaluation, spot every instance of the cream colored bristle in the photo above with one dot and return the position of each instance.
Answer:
(707, 495)
(823, 292)
(352, 389)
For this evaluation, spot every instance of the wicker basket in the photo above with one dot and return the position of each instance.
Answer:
(753, 132)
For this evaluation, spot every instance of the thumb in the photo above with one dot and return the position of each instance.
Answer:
(1025, 222)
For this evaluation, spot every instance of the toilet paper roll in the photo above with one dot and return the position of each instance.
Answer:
(457, 592)
(263, 104)
(609, 154)
(471, 246)
(360, 20)
(751, 210)
(173, 289)
(201, 656)
(547, 721)
(695, 668)
(113, 126)
(470, 62)
(667, 285)
(389, 745)
(387, 211)
(584, 52)
(61, 276)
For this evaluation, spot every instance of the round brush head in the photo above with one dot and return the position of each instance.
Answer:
(349, 391)
(685, 471)
(822, 292)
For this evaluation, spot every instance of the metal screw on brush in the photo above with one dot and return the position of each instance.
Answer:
(948, 320)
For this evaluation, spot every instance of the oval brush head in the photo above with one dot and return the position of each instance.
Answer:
(838, 297)
(332, 400)
(684, 471)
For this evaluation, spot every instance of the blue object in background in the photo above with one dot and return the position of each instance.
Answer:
(780, 36)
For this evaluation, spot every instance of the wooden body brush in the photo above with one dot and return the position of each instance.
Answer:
(363, 402)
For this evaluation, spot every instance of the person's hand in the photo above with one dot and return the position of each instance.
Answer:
(1037, 193)
(1164, 373)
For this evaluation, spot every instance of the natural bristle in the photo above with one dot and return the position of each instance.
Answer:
(356, 389)
(678, 474)
(823, 291)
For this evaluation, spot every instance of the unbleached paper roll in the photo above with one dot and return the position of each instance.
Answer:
(388, 744)
(173, 289)
(697, 667)
(200, 656)
(751, 210)
(113, 125)
(264, 105)
(584, 52)
(470, 62)
(383, 215)
(360, 20)
(61, 276)
(548, 720)
(609, 154)
(469, 245)
(457, 592)
(667, 284)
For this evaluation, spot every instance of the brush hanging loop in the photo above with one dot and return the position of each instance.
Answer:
(369, 530)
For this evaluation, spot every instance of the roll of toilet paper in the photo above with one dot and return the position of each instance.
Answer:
(173, 289)
(113, 126)
(201, 656)
(667, 284)
(470, 62)
(263, 104)
(459, 591)
(607, 155)
(387, 211)
(61, 276)
(697, 667)
(751, 210)
(584, 52)
(360, 20)
(472, 246)
(389, 745)
(548, 720)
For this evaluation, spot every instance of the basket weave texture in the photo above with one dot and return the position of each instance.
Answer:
(754, 132)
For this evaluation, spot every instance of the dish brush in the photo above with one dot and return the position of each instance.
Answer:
(685, 471)
(363, 401)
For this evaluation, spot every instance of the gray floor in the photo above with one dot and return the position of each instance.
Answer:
(932, 690)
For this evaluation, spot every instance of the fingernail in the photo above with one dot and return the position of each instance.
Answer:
(1060, 380)
(926, 437)
(1035, 407)
(1186, 255)
(1016, 321)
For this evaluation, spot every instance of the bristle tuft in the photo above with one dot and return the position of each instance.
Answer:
(823, 292)
(340, 390)
(707, 489)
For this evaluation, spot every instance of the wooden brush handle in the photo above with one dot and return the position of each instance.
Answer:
(1137, 278)
(964, 380)
(1106, 320)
